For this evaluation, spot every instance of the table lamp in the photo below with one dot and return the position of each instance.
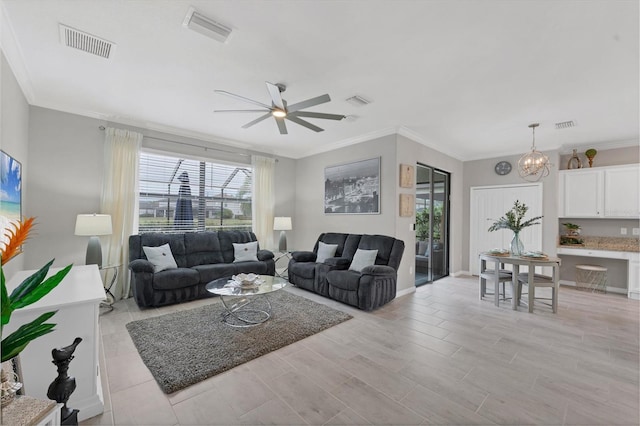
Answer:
(93, 225)
(282, 224)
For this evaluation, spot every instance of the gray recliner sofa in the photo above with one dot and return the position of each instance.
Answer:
(201, 258)
(367, 289)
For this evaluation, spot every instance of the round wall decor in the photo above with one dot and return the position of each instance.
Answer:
(503, 168)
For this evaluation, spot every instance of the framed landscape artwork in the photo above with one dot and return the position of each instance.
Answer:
(353, 188)
(10, 192)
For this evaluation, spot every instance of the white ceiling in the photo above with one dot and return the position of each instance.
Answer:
(464, 77)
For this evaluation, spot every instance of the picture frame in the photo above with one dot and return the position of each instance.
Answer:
(353, 188)
(10, 193)
(407, 204)
(406, 175)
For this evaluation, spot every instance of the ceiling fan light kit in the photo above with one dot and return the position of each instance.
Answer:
(281, 111)
(533, 165)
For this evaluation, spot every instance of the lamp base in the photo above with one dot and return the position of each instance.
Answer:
(94, 252)
(282, 244)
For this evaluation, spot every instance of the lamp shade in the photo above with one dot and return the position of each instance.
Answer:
(93, 224)
(282, 224)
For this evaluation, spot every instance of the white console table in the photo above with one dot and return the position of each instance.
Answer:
(77, 299)
(633, 264)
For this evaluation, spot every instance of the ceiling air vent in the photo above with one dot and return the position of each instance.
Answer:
(565, 125)
(206, 26)
(85, 42)
(358, 101)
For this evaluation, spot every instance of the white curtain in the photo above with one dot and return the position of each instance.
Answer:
(120, 199)
(263, 199)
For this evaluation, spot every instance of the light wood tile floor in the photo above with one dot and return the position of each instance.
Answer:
(438, 356)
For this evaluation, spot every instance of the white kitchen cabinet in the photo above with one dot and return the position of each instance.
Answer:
(602, 192)
(621, 191)
(77, 302)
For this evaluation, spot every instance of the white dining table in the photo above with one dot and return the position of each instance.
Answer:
(516, 262)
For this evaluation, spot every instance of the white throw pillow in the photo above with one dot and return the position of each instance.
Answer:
(363, 258)
(325, 251)
(245, 252)
(161, 257)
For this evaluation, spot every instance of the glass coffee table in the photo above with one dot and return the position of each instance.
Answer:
(246, 306)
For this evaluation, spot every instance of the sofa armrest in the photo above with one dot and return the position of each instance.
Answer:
(141, 265)
(265, 255)
(338, 263)
(378, 270)
(304, 256)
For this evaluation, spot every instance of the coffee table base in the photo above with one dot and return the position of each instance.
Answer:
(242, 314)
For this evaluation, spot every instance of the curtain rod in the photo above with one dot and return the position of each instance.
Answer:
(206, 148)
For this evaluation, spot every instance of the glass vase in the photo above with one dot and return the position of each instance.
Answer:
(517, 248)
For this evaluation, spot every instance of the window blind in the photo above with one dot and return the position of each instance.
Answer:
(180, 194)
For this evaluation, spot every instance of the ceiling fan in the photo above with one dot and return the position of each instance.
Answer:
(280, 111)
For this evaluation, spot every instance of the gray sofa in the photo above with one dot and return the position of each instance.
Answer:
(201, 257)
(367, 289)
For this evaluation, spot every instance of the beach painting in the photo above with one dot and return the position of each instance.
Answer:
(353, 188)
(10, 193)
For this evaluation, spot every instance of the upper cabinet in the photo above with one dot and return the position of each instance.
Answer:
(602, 192)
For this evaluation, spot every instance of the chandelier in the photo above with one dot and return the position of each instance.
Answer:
(533, 165)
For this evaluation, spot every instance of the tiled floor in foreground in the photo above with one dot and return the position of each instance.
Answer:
(438, 356)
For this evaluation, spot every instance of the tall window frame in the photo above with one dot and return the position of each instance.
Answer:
(178, 193)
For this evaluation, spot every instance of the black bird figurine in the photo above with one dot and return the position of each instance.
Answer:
(63, 386)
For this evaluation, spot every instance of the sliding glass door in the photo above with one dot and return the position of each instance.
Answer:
(432, 224)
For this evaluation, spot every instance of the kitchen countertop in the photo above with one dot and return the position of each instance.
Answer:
(628, 244)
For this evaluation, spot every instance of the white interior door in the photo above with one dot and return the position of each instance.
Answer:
(489, 203)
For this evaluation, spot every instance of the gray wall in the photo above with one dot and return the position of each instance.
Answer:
(481, 173)
(65, 178)
(14, 140)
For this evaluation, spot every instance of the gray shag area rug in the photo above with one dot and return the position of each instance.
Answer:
(186, 347)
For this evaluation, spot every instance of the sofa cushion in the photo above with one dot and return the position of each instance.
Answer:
(247, 252)
(175, 241)
(303, 269)
(247, 267)
(363, 258)
(214, 271)
(160, 257)
(345, 280)
(203, 248)
(175, 278)
(325, 251)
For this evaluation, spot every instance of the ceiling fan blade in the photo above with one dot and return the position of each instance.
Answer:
(276, 96)
(242, 98)
(309, 103)
(304, 123)
(281, 126)
(239, 110)
(317, 115)
(257, 120)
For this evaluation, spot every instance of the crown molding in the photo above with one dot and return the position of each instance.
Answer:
(625, 143)
(415, 137)
(13, 54)
(347, 142)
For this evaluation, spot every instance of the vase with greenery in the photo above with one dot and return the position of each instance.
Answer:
(514, 220)
(590, 154)
(32, 289)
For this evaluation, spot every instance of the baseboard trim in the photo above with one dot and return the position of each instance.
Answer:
(406, 291)
(616, 290)
(461, 274)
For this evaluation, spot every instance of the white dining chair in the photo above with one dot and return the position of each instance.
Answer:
(504, 276)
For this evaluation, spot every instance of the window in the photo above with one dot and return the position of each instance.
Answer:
(178, 194)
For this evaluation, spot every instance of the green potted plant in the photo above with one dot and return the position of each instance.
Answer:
(32, 289)
(590, 154)
(513, 220)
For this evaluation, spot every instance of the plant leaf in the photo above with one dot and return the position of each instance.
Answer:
(30, 283)
(41, 290)
(18, 340)
(6, 305)
(17, 237)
